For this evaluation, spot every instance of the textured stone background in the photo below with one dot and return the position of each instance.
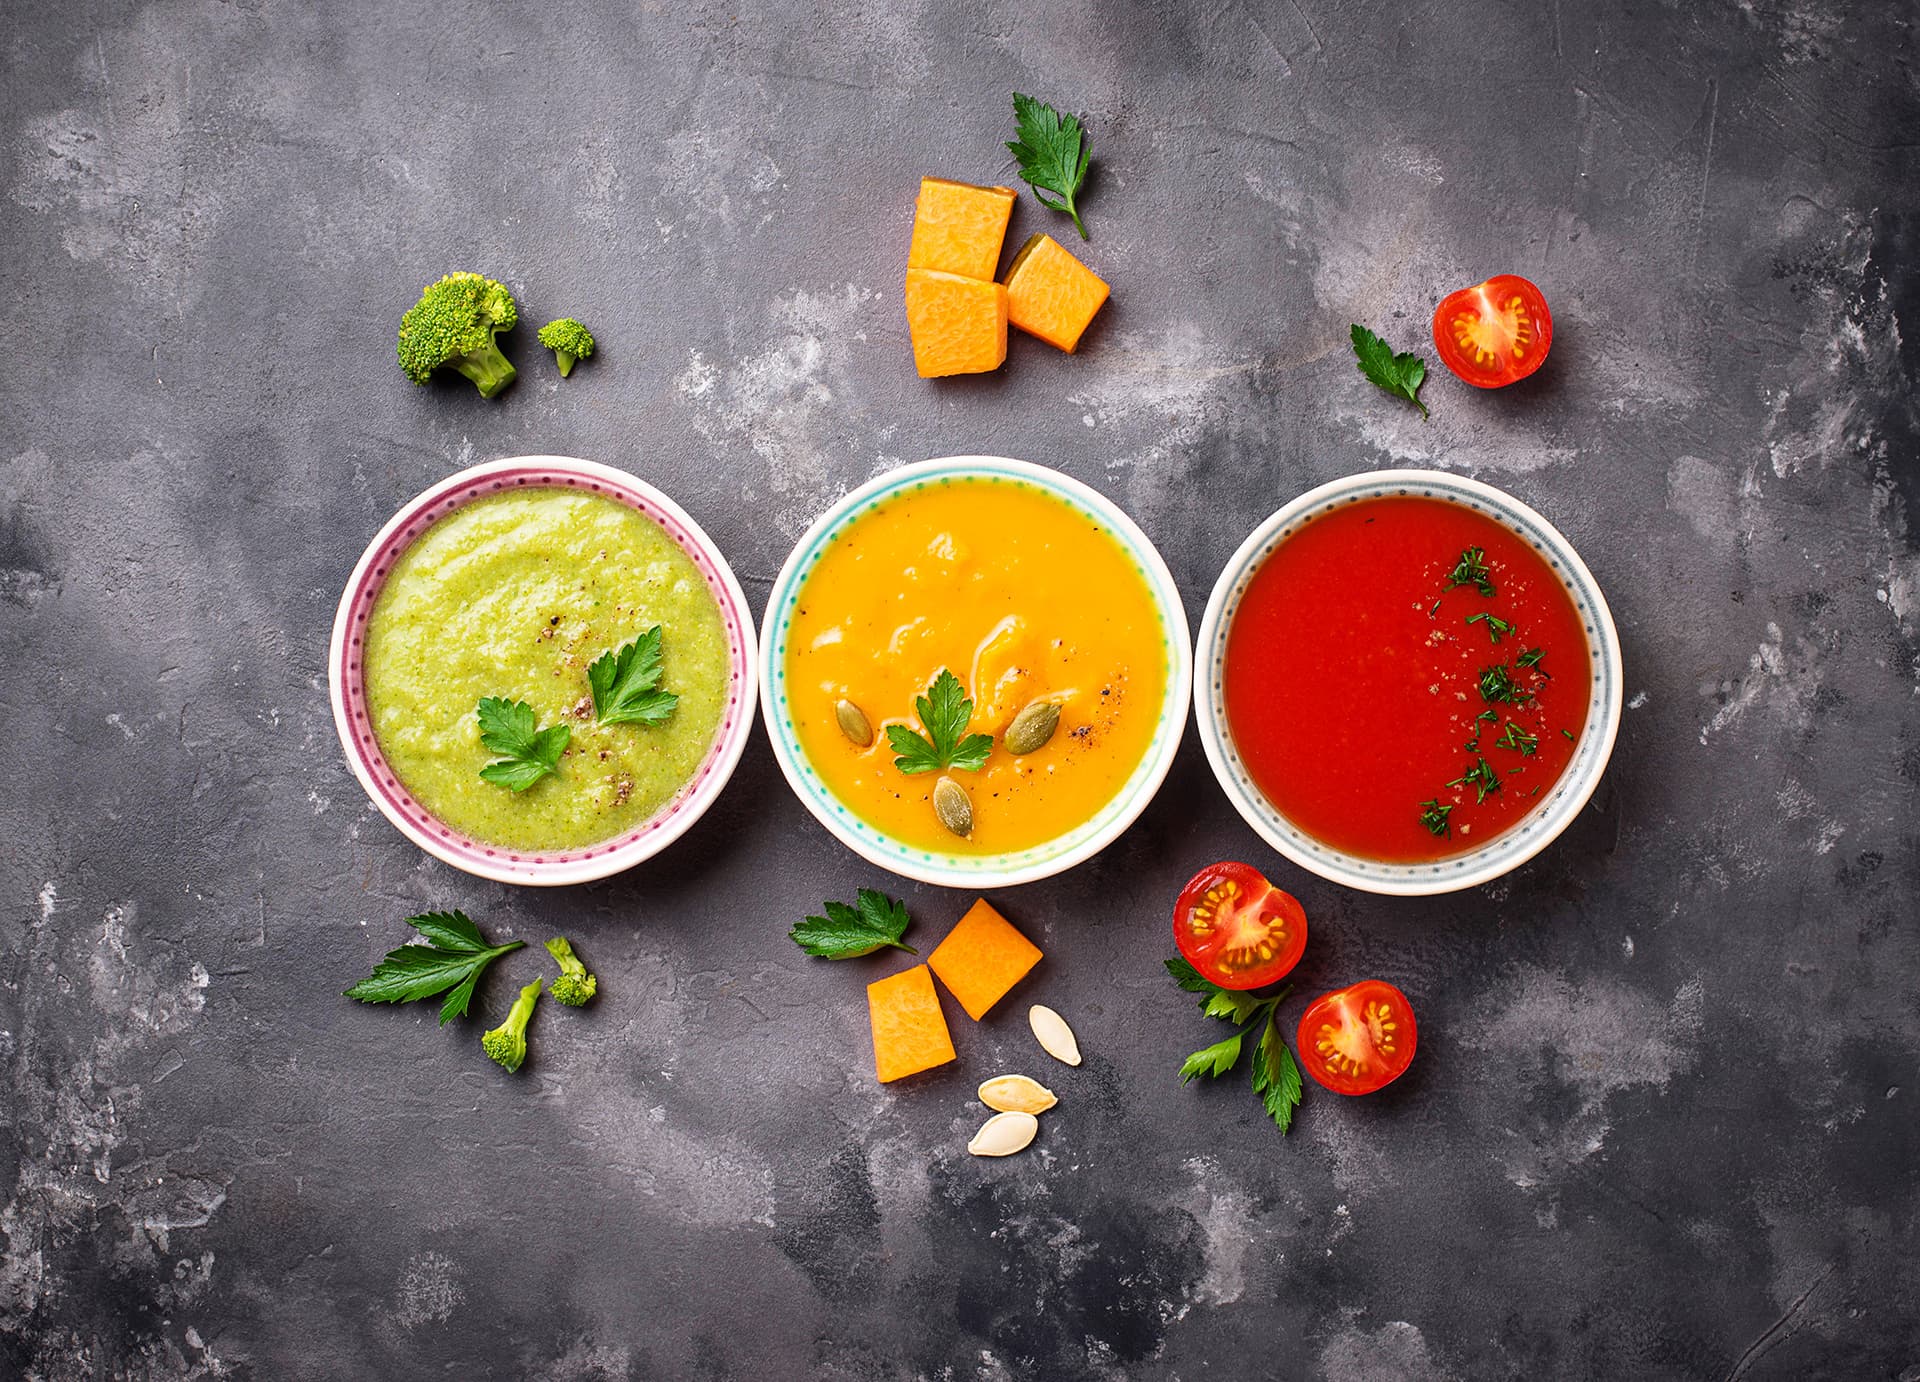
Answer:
(1663, 1119)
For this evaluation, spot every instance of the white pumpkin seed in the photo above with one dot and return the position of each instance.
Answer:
(853, 723)
(1017, 1094)
(1054, 1035)
(1004, 1134)
(954, 807)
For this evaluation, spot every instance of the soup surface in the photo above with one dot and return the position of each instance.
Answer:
(1396, 696)
(1024, 598)
(513, 596)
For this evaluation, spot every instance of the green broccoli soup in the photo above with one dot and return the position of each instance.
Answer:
(512, 598)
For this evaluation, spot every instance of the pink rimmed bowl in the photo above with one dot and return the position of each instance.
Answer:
(347, 680)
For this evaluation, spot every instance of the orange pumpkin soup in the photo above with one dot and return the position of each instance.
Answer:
(1026, 600)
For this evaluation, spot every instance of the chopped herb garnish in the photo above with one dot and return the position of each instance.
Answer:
(1514, 737)
(1496, 626)
(1481, 777)
(1471, 570)
(507, 728)
(1567, 734)
(1496, 685)
(1490, 715)
(945, 712)
(1531, 658)
(1434, 817)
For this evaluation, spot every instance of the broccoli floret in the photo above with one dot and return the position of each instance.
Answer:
(507, 1043)
(568, 340)
(454, 324)
(574, 986)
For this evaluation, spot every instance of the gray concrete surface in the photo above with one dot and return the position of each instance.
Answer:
(1662, 1124)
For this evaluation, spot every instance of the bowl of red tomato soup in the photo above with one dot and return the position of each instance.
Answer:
(1408, 682)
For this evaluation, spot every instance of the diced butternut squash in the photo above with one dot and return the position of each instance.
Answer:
(982, 958)
(909, 1031)
(958, 228)
(959, 325)
(1052, 295)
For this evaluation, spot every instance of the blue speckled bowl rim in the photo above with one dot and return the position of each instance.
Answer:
(980, 871)
(1537, 828)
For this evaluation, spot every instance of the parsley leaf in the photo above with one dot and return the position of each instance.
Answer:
(626, 684)
(1276, 1076)
(846, 933)
(507, 728)
(1052, 153)
(1399, 375)
(453, 958)
(1212, 1061)
(945, 712)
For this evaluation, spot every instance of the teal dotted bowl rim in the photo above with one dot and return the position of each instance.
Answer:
(978, 871)
(1534, 831)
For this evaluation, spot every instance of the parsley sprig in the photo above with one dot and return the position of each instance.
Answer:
(1276, 1075)
(1400, 375)
(528, 754)
(945, 711)
(846, 933)
(1052, 153)
(454, 957)
(626, 684)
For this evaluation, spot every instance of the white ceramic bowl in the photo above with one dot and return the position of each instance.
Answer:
(1534, 831)
(975, 871)
(348, 683)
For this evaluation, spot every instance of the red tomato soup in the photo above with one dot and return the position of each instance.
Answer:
(1405, 679)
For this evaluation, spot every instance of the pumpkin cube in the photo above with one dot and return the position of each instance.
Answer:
(909, 1031)
(1052, 295)
(982, 958)
(958, 228)
(959, 325)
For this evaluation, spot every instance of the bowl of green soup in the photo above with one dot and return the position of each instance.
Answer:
(542, 670)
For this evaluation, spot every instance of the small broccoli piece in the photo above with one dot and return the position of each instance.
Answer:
(454, 324)
(507, 1043)
(575, 985)
(568, 340)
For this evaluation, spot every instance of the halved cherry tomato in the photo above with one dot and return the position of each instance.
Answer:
(1494, 332)
(1358, 1038)
(1236, 928)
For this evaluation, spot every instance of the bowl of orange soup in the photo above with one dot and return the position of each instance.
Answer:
(1410, 682)
(976, 671)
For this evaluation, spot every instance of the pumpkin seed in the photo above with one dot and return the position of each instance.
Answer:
(1017, 1094)
(1054, 1035)
(954, 807)
(853, 723)
(1004, 1134)
(1031, 728)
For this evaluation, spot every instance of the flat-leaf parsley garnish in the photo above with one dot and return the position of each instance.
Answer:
(1400, 375)
(626, 684)
(1052, 153)
(945, 711)
(1276, 1075)
(453, 958)
(507, 728)
(846, 933)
